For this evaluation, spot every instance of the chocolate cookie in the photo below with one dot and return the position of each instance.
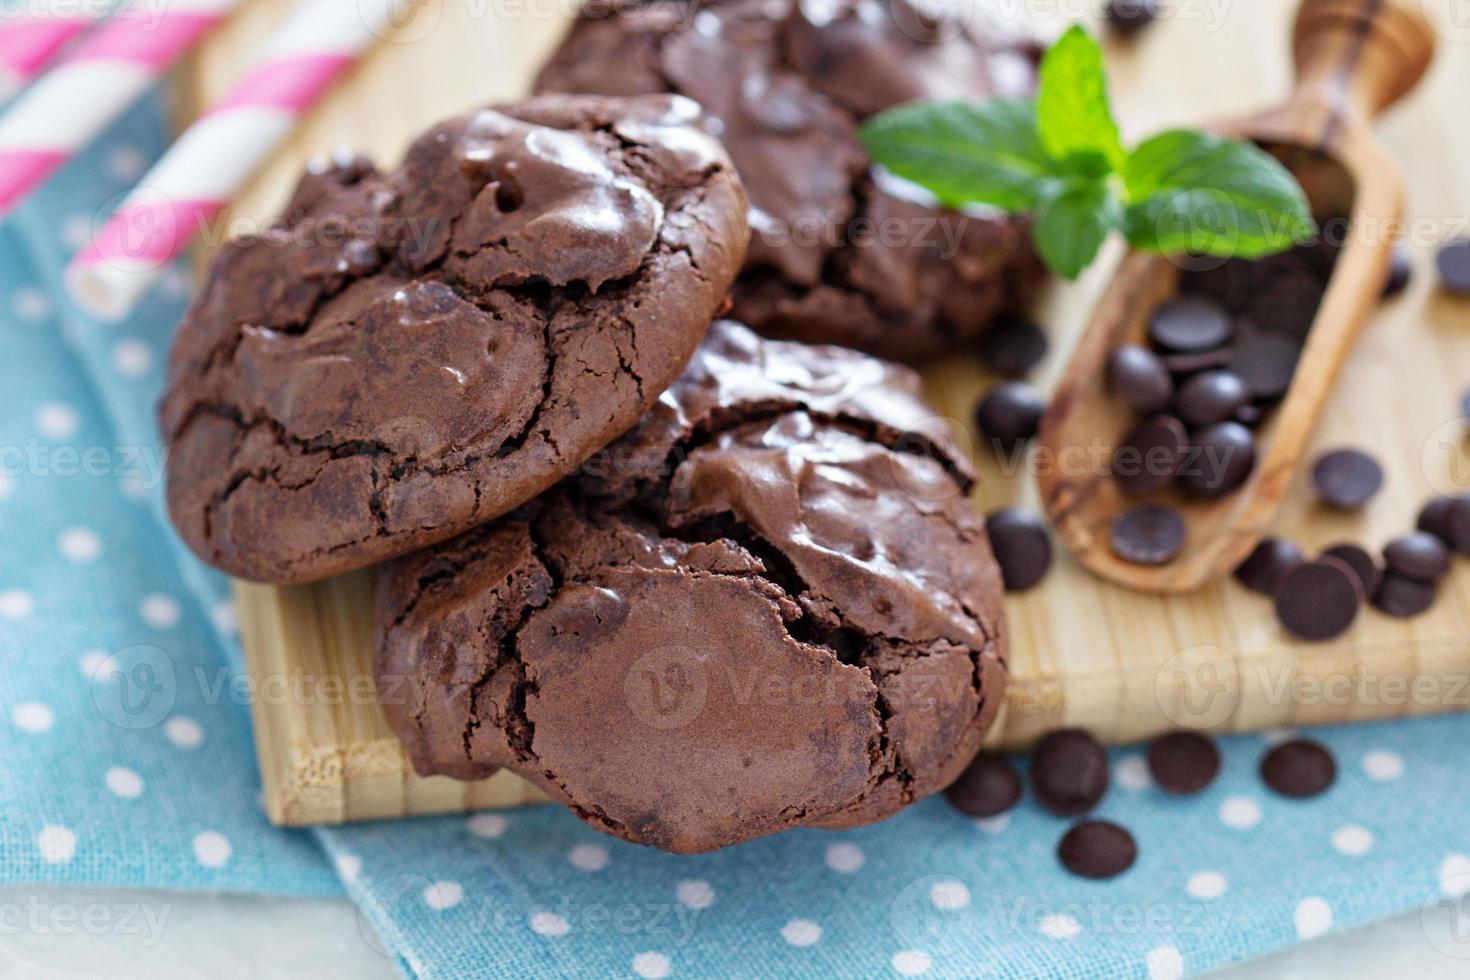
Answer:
(403, 356)
(840, 253)
(769, 605)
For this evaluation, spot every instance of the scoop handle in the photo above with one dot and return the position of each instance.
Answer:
(1361, 54)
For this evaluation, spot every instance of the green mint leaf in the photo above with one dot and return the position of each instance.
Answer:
(1192, 192)
(963, 152)
(1073, 118)
(1071, 226)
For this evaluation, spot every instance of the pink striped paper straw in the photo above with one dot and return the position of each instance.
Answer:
(195, 179)
(94, 83)
(35, 33)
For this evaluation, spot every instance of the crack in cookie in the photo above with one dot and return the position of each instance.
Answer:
(841, 253)
(405, 355)
(768, 604)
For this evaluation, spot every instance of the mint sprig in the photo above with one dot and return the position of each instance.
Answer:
(1060, 158)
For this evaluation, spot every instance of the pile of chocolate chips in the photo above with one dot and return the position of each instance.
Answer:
(1319, 598)
(1069, 777)
(1221, 354)
(1206, 380)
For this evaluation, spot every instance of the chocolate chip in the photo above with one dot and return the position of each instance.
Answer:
(1181, 366)
(1210, 397)
(1190, 323)
(1021, 546)
(1460, 525)
(1318, 600)
(1069, 772)
(1138, 377)
(1128, 17)
(1288, 304)
(1399, 595)
(1419, 555)
(1220, 460)
(1227, 282)
(1453, 262)
(1299, 768)
(1265, 362)
(1400, 271)
(1183, 762)
(1360, 561)
(1262, 570)
(1249, 414)
(988, 786)
(1322, 254)
(1097, 849)
(1009, 414)
(1149, 534)
(1347, 478)
(1434, 518)
(1011, 346)
(1149, 455)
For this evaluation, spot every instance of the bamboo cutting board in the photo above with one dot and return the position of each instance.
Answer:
(1082, 652)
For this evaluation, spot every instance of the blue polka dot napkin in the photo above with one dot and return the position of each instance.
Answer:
(125, 755)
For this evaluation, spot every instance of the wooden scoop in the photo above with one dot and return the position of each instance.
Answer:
(1353, 59)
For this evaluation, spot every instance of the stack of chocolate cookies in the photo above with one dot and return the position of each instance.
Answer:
(697, 584)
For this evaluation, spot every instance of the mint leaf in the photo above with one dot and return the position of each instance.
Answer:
(1071, 226)
(1192, 192)
(1073, 119)
(962, 152)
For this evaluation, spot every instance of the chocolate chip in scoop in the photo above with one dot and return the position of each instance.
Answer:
(1139, 377)
(1265, 362)
(1149, 455)
(1210, 397)
(1220, 460)
(1149, 534)
(1190, 323)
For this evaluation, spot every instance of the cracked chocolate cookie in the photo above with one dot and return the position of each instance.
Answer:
(840, 253)
(405, 355)
(769, 605)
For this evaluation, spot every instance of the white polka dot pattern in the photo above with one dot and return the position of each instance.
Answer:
(844, 858)
(1313, 918)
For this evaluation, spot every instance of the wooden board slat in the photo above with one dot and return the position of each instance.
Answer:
(1124, 665)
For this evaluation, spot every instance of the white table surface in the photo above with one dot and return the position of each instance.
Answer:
(172, 936)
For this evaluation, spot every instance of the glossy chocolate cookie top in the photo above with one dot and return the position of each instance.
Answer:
(769, 605)
(839, 253)
(405, 355)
